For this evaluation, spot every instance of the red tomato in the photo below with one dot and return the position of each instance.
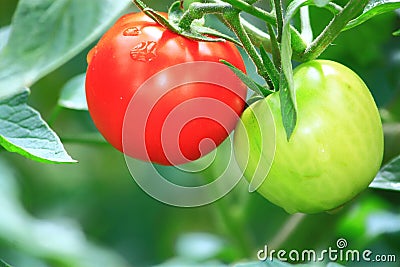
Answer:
(164, 120)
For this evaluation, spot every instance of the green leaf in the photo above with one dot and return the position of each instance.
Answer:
(288, 107)
(73, 94)
(172, 23)
(383, 222)
(4, 35)
(199, 246)
(272, 71)
(45, 34)
(259, 89)
(373, 8)
(397, 33)
(59, 241)
(389, 176)
(321, 3)
(306, 28)
(175, 12)
(254, 98)
(3, 264)
(197, 29)
(208, 31)
(286, 86)
(23, 131)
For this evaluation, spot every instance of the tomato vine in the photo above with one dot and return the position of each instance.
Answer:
(280, 38)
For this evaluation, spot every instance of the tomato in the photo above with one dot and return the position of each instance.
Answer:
(130, 72)
(336, 148)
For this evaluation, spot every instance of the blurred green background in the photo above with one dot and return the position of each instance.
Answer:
(93, 213)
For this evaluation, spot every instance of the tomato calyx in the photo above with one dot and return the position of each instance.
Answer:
(189, 23)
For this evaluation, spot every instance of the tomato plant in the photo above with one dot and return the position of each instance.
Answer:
(336, 148)
(132, 51)
(309, 139)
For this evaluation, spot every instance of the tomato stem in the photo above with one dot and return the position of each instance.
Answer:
(275, 50)
(235, 226)
(231, 217)
(255, 11)
(197, 10)
(306, 29)
(93, 139)
(286, 230)
(54, 115)
(279, 19)
(233, 20)
(259, 37)
(334, 28)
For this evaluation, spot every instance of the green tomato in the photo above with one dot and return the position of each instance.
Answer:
(336, 148)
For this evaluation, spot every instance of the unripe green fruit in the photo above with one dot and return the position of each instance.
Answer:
(336, 148)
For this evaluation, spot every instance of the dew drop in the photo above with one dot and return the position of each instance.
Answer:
(91, 53)
(144, 51)
(132, 32)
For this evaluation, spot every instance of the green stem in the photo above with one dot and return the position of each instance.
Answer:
(255, 11)
(286, 230)
(235, 228)
(54, 115)
(257, 36)
(93, 139)
(275, 50)
(260, 38)
(231, 220)
(197, 10)
(139, 4)
(273, 72)
(333, 8)
(279, 19)
(334, 28)
(251, 1)
(306, 29)
(233, 19)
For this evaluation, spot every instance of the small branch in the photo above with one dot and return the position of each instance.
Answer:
(251, 1)
(257, 36)
(234, 21)
(94, 139)
(334, 8)
(306, 30)
(255, 11)
(198, 10)
(288, 228)
(139, 4)
(279, 19)
(334, 28)
(235, 228)
(232, 221)
(54, 115)
(260, 38)
(275, 50)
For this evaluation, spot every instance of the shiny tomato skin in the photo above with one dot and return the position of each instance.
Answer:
(134, 49)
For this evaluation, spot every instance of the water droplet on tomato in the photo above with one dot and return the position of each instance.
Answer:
(323, 153)
(132, 32)
(91, 53)
(144, 51)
